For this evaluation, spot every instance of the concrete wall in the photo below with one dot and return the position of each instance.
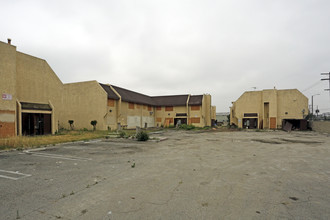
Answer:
(321, 126)
(7, 90)
(84, 102)
(37, 83)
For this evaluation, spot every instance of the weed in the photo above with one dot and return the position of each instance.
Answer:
(186, 127)
(133, 165)
(22, 142)
(63, 195)
(72, 193)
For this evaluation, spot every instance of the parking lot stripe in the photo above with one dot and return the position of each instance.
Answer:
(20, 175)
(57, 156)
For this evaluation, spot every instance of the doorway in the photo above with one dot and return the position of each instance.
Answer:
(182, 121)
(36, 124)
(250, 123)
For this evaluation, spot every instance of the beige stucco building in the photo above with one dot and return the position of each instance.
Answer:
(35, 101)
(268, 108)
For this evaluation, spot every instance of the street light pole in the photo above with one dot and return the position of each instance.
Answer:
(312, 106)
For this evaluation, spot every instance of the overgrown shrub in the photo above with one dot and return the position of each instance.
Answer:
(142, 136)
(186, 127)
(122, 134)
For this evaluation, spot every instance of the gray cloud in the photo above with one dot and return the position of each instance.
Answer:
(168, 47)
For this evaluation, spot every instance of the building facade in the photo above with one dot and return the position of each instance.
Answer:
(35, 101)
(268, 108)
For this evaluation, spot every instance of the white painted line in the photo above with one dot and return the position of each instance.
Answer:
(56, 156)
(20, 175)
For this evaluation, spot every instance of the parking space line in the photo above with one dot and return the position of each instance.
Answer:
(56, 156)
(8, 173)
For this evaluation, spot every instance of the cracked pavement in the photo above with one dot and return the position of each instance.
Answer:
(190, 175)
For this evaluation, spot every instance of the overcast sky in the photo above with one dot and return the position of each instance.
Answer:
(179, 46)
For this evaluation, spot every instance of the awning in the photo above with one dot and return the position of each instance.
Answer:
(35, 106)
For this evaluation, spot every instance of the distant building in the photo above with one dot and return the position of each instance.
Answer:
(35, 101)
(222, 118)
(268, 108)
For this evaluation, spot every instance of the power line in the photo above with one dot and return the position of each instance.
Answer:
(313, 85)
(327, 79)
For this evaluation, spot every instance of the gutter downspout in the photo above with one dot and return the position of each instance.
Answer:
(52, 118)
(187, 106)
(119, 104)
(19, 118)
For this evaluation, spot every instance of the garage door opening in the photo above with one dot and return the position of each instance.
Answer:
(294, 124)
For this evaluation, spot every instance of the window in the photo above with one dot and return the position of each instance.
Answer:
(195, 120)
(111, 102)
(158, 108)
(168, 108)
(158, 119)
(169, 119)
(195, 107)
(131, 105)
(149, 108)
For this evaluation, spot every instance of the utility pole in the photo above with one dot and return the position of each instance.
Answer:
(327, 79)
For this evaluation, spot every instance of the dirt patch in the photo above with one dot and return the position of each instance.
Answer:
(267, 141)
(301, 141)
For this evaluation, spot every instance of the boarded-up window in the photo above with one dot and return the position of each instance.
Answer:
(168, 108)
(195, 120)
(158, 119)
(138, 106)
(195, 107)
(131, 105)
(111, 102)
(158, 108)
(149, 108)
(169, 119)
(144, 107)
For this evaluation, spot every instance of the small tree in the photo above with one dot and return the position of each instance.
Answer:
(71, 124)
(94, 122)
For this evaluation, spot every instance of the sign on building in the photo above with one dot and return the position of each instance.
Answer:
(7, 96)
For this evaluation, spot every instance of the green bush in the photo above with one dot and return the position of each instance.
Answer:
(122, 134)
(142, 136)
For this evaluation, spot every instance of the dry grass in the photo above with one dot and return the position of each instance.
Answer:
(37, 141)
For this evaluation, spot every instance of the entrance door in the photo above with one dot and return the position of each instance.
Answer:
(36, 124)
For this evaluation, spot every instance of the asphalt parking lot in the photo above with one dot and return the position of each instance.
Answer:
(190, 175)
